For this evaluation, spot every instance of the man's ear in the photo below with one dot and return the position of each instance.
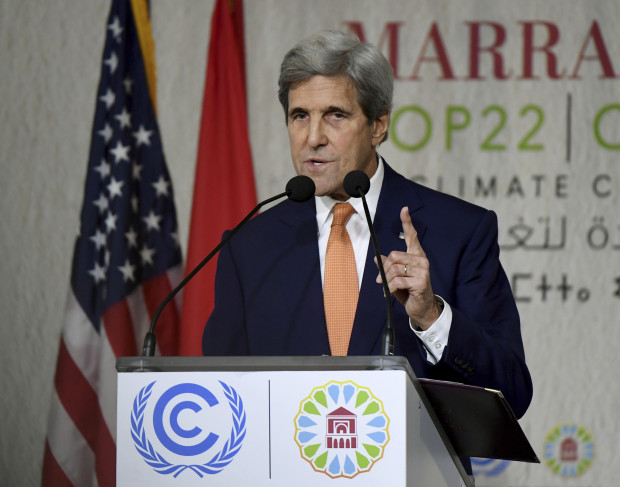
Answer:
(380, 128)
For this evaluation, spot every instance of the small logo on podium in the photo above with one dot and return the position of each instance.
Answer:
(341, 429)
(186, 427)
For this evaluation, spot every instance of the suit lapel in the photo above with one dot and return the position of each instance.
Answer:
(300, 275)
(371, 315)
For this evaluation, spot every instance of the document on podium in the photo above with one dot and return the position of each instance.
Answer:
(479, 422)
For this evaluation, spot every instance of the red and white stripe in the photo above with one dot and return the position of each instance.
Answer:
(81, 444)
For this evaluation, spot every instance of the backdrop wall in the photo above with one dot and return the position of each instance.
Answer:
(511, 105)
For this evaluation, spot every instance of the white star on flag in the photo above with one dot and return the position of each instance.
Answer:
(124, 118)
(98, 273)
(103, 169)
(99, 238)
(147, 255)
(136, 170)
(127, 270)
(161, 186)
(106, 132)
(110, 222)
(109, 98)
(132, 238)
(112, 62)
(128, 84)
(115, 188)
(143, 136)
(152, 221)
(120, 152)
(102, 203)
(116, 28)
(135, 204)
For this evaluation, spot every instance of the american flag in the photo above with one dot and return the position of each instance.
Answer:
(126, 258)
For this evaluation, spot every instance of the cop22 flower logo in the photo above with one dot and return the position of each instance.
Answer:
(569, 450)
(179, 440)
(341, 429)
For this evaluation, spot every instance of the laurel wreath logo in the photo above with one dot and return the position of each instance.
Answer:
(213, 466)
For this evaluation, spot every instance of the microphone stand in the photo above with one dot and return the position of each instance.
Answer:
(148, 349)
(357, 184)
(387, 346)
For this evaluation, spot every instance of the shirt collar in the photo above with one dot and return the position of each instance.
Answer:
(325, 204)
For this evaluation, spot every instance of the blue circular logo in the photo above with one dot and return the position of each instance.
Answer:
(158, 419)
(167, 426)
(488, 467)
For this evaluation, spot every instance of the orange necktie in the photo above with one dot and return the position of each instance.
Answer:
(340, 289)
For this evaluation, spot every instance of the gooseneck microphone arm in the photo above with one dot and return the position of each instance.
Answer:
(357, 184)
(299, 188)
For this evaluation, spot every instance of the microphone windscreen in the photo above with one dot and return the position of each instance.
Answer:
(300, 188)
(356, 183)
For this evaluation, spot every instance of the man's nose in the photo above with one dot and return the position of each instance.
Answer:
(316, 134)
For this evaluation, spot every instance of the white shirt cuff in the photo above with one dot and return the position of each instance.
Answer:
(435, 338)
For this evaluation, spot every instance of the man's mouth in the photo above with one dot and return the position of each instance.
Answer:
(316, 162)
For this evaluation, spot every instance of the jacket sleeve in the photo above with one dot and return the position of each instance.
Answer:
(485, 347)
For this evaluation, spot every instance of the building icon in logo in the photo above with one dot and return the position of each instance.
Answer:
(341, 429)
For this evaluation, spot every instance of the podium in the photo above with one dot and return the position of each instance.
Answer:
(279, 421)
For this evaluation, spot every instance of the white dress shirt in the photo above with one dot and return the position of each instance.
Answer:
(435, 338)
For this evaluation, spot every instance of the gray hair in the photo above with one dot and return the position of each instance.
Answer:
(333, 53)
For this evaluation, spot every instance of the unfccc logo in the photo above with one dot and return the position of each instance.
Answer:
(180, 419)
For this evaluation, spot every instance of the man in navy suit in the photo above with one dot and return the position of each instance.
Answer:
(454, 315)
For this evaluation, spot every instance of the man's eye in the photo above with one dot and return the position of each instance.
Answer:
(300, 116)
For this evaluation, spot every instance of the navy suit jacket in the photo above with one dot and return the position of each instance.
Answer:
(269, 298)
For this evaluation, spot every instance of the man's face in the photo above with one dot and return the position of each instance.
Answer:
(330, 135)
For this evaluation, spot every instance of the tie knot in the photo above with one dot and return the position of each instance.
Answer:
(342, 212)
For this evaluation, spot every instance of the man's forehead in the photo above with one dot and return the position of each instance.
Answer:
(322, 91)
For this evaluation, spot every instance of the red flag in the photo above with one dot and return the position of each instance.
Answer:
(126, 258)
(224, 190)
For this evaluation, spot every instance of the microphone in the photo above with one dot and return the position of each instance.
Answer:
(299, 189)
(357, 184)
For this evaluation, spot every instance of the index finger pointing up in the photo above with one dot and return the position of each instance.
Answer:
(410, 233)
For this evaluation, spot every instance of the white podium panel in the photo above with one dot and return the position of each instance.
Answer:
(277, 428)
